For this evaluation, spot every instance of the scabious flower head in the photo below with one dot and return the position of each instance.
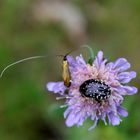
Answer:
(97, 90)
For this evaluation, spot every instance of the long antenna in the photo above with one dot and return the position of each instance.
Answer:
(44, 56)
(26, 59)
(20, 61)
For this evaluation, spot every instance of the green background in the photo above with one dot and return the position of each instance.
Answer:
(27, 110)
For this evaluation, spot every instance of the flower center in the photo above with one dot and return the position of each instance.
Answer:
(95, 89)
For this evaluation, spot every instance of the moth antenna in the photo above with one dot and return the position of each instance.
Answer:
(26, 59)
(43, 56)
(20, 61)
(83, 46)
(69, 52)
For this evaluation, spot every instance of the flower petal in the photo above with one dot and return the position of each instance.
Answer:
(67, 112)
(56, 87)
(75, 115)
(122, 111)
(113, 119)
(70, 120)
(71, 61)
(80, 61)
(74, 118)
(126, 77)
(130, 90)
(121, 64)
(98, 59)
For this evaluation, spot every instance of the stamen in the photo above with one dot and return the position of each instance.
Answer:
(65, 97)
(63, 106)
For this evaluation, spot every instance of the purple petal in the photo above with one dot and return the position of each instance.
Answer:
(74, 118)
(122, 111)
(71, 61)
(56, 87)
(121, 64)
(126, 77)
(110, 65)
(67, 112)
(70, 120)
(113, 119)
(130, 90)
(80, 61)
(99, 59)
(119, 90)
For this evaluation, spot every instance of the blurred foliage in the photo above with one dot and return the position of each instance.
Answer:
(27, 111)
